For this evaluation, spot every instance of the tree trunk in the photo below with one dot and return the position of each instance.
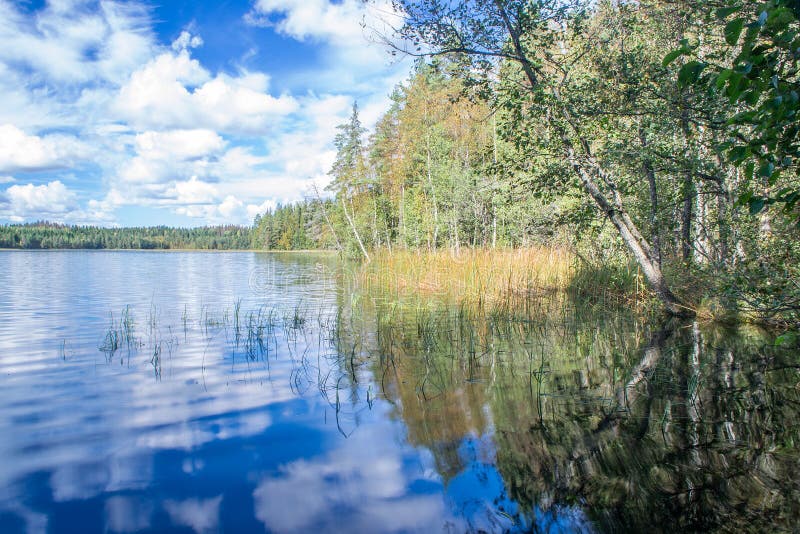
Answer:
(403, 214)
(722, 223)
(688, 194)
(327, 219)
(647, 167)
(628, 231)
(355, 231)
(590, 173)
(686, 217)
(494, 230)
(376, 240)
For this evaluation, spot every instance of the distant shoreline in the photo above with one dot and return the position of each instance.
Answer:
(271, 251)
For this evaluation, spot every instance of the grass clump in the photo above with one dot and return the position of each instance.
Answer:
(470, 275)
(500, 278)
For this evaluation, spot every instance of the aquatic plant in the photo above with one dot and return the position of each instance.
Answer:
(500, 281)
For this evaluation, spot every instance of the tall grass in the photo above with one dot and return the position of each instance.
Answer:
(499, 278)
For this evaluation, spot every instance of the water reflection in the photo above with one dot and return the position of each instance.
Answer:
(245, 392)
(602, 425)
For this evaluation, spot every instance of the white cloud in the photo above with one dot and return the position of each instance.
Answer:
(230, 210)
(175, 91)
(350, 31)
(260, 209)
(192, 191)
(161, 157)
(22, 152)
(52, 200)
(127, 514)
(22, 105)
(370, 490)
(240, 161)
(201, 515)
(231, 207)
(154, 126)
(312, 19)
(72, 42)
(178, 144)
(186, 40)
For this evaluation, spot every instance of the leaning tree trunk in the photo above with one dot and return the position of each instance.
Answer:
(355, 232)
(591, 174)
(586, 170)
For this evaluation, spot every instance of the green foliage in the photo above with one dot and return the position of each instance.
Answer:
(43, 235)
(756, 70)
(299, 226)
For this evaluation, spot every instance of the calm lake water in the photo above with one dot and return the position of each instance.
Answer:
(246, 392)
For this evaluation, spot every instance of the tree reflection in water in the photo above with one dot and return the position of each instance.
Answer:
(568, 421)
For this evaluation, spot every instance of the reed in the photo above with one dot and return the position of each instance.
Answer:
(503, 280)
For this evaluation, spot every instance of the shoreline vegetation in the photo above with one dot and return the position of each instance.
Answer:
(496, 282)
(484, 280)
(46, 235)
(500, 278)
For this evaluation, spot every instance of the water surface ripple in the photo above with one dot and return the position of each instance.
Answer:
(247, 392)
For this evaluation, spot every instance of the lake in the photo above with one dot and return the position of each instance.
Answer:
(248, 392)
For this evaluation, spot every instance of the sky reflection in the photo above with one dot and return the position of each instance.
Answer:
(195, 424)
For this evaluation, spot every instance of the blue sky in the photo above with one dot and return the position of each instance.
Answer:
(179, 112)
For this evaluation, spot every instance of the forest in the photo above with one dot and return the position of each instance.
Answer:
(43, 235)
(658, 134)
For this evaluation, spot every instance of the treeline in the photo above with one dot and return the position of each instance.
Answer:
(298, 226)
(43, 235)
(661, 132)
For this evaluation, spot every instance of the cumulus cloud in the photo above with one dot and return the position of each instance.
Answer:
(52, 200)
(72, 41)
(342, 22)
(230, 210)
(178, 144)
(186, 40)
(260, 209)
(88, 92)
(192, 191)
(22, 152)
(161, 157)
(370, 490)
(350, 31)
(175, 91)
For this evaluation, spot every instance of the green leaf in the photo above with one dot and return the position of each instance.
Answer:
(736, 87)
(789, 338)
(738, 154)
(744, 198)
(756, 205)
(743, 117)
(723, 77)
(725, 12)
(780, 18)
(753, 96)
(690, 73)
(733, 30)
(749, 170)
(672, 56)
(791, 201)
